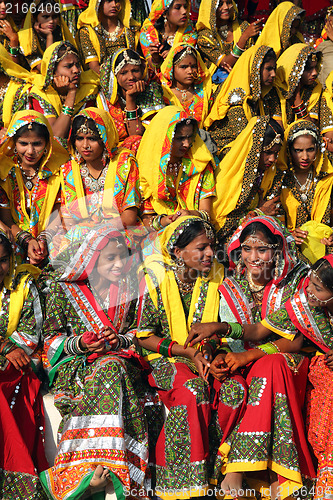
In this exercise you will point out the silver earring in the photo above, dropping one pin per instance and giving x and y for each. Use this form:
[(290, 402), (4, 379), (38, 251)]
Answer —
[(77, 156), (239, 266), (277, 266), (15, 151), (180, 265)]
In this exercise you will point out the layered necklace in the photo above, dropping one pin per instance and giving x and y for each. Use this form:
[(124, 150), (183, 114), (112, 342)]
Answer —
[(184, 288), (223, 31), (256, 290), (114, 35), (90, 182), (28, 178), (304, 188), (183, 93)]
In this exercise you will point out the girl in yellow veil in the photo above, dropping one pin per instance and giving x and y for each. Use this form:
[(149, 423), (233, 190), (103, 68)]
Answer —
[(307, 189), (221, 37), (245, 93), (104, 29), (181, 288), (42, 27), (296, 83)]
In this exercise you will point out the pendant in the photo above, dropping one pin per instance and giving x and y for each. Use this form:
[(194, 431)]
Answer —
[(29, 185), (303, 197), (302, 188)]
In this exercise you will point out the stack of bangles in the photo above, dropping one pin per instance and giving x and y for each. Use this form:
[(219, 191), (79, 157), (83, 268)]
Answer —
[(211, 342), (22, 239), (235, 331), (204, 215), (300, 110), (164, 347), (132, 114), (14, 51), (155, 222), (68, 111), (237, 51), (72, 346), (269, 348), (6, 347)]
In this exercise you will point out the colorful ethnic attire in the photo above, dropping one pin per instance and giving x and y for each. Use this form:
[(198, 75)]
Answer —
[(30, 208), (199, 105), (162, 194), (149, 101), (95, 43), (315, 323), (289, 71), (326, 108), (86, 202), (33, 45), (22, 454), (240, 98), (45, 99), (150, 35), (211, 42), (276, 382), (103, 422), (313, 206), (239, 181), (183, 459), (276, 32)]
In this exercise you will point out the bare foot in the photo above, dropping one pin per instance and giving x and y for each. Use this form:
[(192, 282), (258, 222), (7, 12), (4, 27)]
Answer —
[(232, 483), (100, 478), (274, 485)]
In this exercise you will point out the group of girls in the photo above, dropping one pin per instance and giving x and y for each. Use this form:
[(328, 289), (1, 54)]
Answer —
[(164, 189)]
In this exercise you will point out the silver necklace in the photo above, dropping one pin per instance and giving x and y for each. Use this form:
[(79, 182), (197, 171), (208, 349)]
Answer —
[(173, 168), (94, 184), (223, 31), (28, 178), (304, 188), (184, 287), (114, 35), (183, 93)]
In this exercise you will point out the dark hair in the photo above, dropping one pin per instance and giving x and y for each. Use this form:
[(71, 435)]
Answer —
[(273, 128), (179, 54), (159, 23), (131, 53), (189, 234), (4, 241), (38, 128), (183, 123), (78, 121), (64, 47), (256, 226), (270, 54), (324, 270), (309, 60), (44, 5)]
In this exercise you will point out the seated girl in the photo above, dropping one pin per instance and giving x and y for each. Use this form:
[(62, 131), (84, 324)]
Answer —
[(22, 455), (90, 306)]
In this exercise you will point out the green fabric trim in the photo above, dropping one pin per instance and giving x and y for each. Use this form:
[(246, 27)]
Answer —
[(53, 371), (58, 353), (84, 485), (118, 486)]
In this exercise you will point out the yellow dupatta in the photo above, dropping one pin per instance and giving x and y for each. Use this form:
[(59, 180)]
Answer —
[(207, 20), (237, 173), (203, 83), (109, 135), (160, 267), (153, 156), (289, 70), (323, 187), (89, 81), (89, 19), (328, 96), (276, 32), (49, 168), (27, 33), (242, 85), (20, 78)]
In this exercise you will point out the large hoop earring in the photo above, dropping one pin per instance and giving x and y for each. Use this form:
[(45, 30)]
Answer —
[(180, 265)]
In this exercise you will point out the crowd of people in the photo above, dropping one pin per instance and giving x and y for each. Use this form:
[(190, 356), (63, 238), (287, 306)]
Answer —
[(166, 248)]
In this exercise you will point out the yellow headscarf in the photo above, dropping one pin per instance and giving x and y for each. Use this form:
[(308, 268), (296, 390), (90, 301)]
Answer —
[(20, 78), (289, 70), (153, 156), (238, 171), (160, 267), (109, 136), (276, 32), (203, 82), (55, 156), (323, 171), (89, 19), (27, 33), (243, 84), (328, 96), (88, 87)]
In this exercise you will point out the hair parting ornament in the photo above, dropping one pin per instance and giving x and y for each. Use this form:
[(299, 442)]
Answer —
[(127, 60), (188, 51), (253, 240), (304, 131), (84, 129), (210, 235), (277, 140), (311, 295), (68, 51)]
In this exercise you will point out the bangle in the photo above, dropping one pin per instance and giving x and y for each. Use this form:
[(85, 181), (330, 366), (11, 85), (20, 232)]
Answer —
[(298, 105), (211, 342), (6, 347), (164, 347), (236, 51), (22, 239), (155, 223), (159, 345), (236, 331), (67, 110), (72, 346), (132, 114), (14, 51), (170, 348), (239, 48), (269, 348), (204, 215)]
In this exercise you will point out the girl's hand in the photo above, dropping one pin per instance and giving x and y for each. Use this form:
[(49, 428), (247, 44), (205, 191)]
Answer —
[(97, 347), (110, 336), (37, 251), (63, 83), (18, 358), (219, 368), (180, 213), (299, 235), (201, 364), (329, 359), (7, 30), (327, 241), (136, 89), (8, 232), (235, 360)]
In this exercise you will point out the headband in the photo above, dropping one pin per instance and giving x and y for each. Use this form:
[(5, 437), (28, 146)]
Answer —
[(303, 132), (127, 60), (188, 51)]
